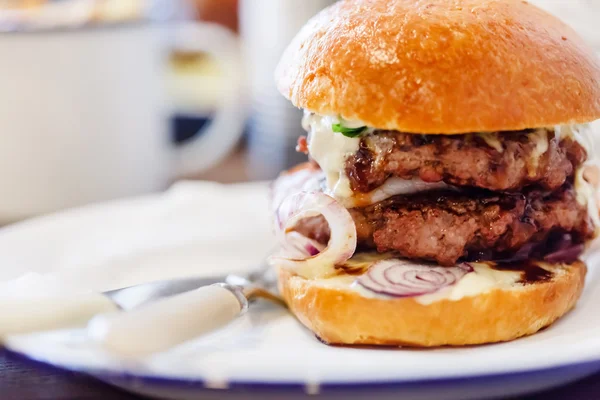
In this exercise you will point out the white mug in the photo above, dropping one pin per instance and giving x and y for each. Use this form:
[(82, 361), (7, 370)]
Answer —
[(274, 125), (84, 113)]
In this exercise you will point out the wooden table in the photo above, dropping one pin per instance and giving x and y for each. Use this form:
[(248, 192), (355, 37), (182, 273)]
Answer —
[(23, 380)]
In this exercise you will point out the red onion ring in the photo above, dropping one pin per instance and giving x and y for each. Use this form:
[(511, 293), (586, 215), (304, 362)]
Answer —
[(565, 255), (342, 242), (298, 244), (402, 278), (306, 179)]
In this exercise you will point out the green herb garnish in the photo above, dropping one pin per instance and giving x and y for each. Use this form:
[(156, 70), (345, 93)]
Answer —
[(348, 132)]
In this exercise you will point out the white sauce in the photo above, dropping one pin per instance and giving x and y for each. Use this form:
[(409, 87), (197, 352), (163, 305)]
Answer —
[(582, 134), (586, 192), (330, 150)]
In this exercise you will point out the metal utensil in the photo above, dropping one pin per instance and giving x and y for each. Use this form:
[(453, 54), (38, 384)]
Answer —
[(164, 314), (121, 320)]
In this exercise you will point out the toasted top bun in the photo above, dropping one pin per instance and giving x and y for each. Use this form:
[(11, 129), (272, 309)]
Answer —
[(339, 315), (441, 66)]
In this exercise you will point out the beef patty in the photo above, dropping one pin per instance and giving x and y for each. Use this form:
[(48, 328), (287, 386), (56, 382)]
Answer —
[(506, 161), (448, 226)]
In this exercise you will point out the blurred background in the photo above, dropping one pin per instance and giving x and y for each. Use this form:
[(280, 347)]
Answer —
[(104, 99)]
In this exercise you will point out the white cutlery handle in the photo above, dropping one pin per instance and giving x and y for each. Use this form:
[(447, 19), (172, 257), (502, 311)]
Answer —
[(163, 324), (27, 315)]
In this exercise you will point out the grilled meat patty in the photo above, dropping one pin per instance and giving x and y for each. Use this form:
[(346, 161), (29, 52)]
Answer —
[(506, 161), (476, 224)]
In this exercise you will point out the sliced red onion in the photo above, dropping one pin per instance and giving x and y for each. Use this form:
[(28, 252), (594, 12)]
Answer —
[(565, 255), (306, 179), (342, 242), (523, 253), (403, 278), (298, 244)]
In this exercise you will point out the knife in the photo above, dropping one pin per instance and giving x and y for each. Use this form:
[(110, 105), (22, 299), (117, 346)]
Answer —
[(179, 314), (120, 320)]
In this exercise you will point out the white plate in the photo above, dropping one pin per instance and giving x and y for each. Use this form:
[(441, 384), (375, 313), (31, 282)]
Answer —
[(207, 229)]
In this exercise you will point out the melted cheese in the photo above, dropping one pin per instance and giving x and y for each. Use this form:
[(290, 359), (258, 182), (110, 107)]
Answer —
[(540, 138), (491, 139), (481, 280)]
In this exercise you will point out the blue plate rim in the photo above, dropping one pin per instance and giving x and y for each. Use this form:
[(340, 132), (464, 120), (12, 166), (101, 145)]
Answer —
[(111, 376)]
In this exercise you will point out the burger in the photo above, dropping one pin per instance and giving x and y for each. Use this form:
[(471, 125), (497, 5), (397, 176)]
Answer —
[(450, 185)]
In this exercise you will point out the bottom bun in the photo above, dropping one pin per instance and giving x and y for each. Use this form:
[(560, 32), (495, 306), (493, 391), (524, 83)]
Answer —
[(342, 315)]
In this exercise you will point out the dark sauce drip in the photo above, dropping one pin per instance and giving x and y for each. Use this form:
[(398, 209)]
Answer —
[(532, 272), (344, 269), (557, 247)]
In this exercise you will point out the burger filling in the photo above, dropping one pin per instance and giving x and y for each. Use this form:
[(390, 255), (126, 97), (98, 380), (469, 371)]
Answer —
[(447, 198), (495, 161), (448, 226), (360, 161)]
